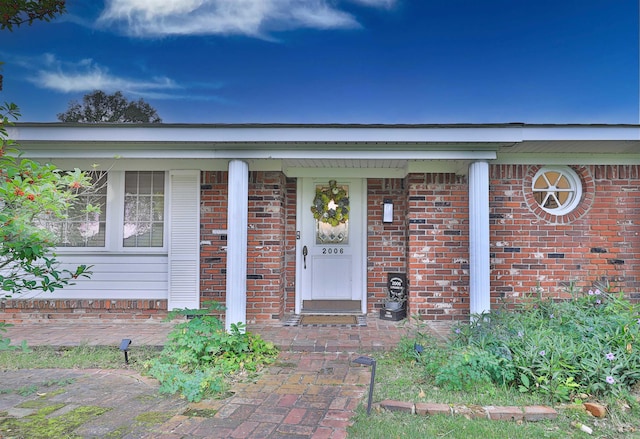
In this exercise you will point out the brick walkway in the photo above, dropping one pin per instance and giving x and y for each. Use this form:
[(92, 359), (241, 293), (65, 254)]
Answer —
[(376, 336), (310, 392)]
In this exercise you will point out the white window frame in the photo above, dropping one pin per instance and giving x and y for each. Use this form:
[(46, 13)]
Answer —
[(114, 233), (574, 181)]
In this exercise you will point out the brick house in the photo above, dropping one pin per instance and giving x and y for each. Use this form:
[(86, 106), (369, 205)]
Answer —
[(479, 216)]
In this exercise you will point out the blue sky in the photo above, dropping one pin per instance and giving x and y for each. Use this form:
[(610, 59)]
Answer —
[(335, 61)]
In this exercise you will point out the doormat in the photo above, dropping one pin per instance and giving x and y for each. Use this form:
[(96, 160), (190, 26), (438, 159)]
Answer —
[(326, 320)]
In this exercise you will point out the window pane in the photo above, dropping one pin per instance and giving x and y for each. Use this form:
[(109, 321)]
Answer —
[(325, 232), (158, 183), (557, 190), (144, 182), (144, 209), (156, 234), (130, 183), (82, 228)]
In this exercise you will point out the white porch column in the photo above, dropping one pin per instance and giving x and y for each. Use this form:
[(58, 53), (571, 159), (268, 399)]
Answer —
[(237, 226), (479, 254)]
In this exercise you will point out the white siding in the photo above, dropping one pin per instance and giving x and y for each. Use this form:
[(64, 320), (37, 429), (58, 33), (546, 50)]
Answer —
[(115, 276), (184, 240)]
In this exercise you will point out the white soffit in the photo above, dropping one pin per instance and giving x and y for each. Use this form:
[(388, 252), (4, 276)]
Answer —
[(162, 133)]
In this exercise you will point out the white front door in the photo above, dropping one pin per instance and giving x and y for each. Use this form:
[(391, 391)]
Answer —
[(331, 264)]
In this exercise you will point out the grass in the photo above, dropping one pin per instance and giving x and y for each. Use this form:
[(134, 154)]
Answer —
[(79, 357), (402, 380), (553, 353), (389, 425)]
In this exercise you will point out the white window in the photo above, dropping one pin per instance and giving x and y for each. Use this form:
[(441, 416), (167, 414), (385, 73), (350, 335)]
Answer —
[(132, 218), (557, 190), (82, 228), (143, 209)]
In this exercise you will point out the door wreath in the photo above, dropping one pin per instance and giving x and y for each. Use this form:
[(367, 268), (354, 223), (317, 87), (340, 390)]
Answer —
[(331, 204)]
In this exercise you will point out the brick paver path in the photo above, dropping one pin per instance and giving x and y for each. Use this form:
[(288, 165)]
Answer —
[(312, 390), (304, 395)]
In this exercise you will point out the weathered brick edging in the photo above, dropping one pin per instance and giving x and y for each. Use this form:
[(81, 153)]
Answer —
[(504, 413)]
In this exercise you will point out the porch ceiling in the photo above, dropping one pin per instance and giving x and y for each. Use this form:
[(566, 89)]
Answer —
[(346, 164), (573, 146)]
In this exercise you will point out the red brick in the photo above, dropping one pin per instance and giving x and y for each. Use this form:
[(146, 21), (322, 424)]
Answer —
[(503, 413), (398, 406), (597, 410), (430, 408), (539, 413)]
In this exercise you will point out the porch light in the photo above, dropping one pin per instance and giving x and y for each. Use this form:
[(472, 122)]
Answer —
[(124, 347), (387, 211), (368, 361)]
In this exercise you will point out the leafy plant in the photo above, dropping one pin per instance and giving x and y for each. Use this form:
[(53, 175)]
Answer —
[(200, 356), (28, 191), (588, 344)]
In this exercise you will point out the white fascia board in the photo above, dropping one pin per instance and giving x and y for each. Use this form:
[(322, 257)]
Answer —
[(302, 134), (587, 132), (248, 134)]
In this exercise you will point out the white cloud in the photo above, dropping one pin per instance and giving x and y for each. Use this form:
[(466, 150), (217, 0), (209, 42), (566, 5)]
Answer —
[(154, 18), (86, 75), (376, 3)]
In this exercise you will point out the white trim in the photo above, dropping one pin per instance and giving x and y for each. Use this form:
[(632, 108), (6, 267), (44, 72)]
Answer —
[(114, 229), (574, 181), (580, 132), (237, 235), (364, 242), (164, 133), (299, 244), (479, 239), (220, 133), (361, 225)]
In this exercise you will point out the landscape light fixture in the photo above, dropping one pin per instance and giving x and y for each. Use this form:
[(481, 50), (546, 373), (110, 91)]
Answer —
[(368, 361), (124, 347), (387, 211)]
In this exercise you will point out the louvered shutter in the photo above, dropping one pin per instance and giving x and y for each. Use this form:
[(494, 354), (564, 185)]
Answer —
[(184, 240)]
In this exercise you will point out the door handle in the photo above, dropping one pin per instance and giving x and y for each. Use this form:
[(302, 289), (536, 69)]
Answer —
[(305, 252)]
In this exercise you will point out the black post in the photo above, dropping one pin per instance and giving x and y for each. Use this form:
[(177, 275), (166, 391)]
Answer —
[(124, 347), (373, 379), (368, 361)]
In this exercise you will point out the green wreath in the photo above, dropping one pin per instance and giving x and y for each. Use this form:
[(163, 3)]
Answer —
[(331, 205)]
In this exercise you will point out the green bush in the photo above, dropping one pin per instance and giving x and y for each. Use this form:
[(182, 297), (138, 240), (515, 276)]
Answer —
[(589, 344), (200, 356)]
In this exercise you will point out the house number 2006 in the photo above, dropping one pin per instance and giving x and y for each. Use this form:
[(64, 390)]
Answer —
[(332, 251)]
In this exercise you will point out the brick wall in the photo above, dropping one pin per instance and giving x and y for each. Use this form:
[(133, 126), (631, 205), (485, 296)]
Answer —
[(39, 310), (213, 236), (438, 247), (386, 243), (266, 244), (598, 242), (428, 240)]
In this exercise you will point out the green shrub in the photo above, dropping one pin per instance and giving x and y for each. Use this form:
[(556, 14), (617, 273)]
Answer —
[(200, 355), (589, 344)]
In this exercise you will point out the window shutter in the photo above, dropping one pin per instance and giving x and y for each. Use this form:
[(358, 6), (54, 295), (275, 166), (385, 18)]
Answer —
[(184, 240)]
